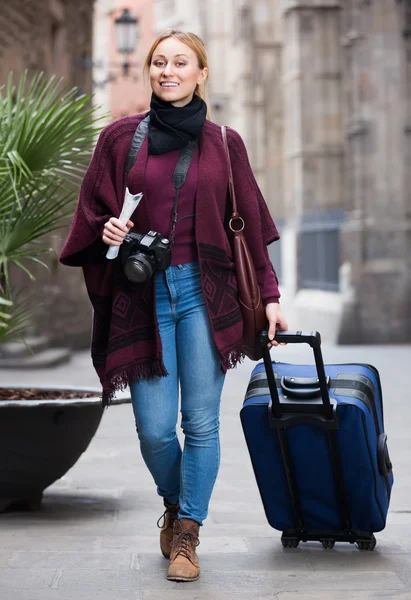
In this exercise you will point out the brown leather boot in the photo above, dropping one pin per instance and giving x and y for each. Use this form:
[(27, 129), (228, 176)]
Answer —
[(166, 533), (184, 565)]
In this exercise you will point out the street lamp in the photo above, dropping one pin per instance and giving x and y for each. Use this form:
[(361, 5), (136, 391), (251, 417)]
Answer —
[(127, 34), (126, 27)]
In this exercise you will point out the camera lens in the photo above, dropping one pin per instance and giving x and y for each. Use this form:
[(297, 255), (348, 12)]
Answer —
[(139, 268)]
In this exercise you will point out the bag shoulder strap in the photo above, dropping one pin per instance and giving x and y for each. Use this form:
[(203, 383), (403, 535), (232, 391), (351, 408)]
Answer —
[(230, 170)]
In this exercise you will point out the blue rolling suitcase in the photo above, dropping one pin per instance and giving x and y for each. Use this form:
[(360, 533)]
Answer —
[(316, 440)]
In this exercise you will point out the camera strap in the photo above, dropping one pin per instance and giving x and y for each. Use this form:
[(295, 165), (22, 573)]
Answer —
[(180, 172)]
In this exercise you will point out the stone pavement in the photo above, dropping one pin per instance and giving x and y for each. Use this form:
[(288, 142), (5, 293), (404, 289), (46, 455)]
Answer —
[(96, 536)]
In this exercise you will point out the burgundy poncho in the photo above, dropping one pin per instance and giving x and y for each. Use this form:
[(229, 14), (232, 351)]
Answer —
[(126, 345)]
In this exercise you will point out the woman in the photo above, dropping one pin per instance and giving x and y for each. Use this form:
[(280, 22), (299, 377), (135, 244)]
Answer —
[(183, 325)]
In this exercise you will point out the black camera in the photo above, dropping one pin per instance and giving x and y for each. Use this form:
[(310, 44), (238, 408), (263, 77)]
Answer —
[(142, 254)]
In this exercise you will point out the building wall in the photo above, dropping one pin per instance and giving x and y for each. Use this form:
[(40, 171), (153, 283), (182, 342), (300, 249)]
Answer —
[(121, 95), (320, 93), (179, 14), (377, 232), (51, 36), (64, 311), (130, 95)]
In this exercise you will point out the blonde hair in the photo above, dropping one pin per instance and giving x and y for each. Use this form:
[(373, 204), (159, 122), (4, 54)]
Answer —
[(192, 41)]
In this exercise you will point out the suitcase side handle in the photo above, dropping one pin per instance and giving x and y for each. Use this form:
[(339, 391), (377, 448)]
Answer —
[(297, 337)]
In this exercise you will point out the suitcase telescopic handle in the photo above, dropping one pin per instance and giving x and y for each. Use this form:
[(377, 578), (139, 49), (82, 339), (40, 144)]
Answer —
[(312, 338)]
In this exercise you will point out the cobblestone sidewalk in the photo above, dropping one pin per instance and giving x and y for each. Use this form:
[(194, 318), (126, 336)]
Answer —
[(96, 537)]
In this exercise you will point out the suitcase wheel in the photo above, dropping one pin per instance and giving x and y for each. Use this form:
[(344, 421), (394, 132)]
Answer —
[(290, 542), (328, 544), (367, 544)]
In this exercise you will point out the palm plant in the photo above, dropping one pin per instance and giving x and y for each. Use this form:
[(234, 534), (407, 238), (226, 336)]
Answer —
[(46, 137)]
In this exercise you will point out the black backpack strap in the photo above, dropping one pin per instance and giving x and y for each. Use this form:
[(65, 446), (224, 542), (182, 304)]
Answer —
[(137, 142)]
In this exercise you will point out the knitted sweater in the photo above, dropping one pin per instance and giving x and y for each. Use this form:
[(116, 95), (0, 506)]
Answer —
[(160, 200)]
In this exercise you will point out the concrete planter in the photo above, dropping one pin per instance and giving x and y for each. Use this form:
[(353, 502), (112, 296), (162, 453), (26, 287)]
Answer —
[(40, 440)]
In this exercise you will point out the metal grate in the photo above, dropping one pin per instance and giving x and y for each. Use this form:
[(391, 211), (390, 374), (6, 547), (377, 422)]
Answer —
[(319, 250)]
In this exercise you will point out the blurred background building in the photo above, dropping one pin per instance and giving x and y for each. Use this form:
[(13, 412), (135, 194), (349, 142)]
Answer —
[(50, 36), (78, 40), (119, 86), (320, 92)]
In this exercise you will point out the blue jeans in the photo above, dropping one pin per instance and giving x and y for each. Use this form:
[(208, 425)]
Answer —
[(191, 359)]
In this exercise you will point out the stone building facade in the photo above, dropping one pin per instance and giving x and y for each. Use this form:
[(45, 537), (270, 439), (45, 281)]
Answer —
[(320, 91), (120, 95), (52, 36), (74, 39)]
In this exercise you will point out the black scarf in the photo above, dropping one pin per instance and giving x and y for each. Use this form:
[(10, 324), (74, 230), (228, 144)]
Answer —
[(172, 127)]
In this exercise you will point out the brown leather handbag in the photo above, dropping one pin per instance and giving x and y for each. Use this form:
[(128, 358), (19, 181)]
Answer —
[(252, 309)]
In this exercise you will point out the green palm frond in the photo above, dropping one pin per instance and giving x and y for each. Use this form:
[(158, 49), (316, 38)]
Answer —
[(14, 319), (47, 133), (4, 316)]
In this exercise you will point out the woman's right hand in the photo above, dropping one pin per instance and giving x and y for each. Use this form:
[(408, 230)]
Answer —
[(114, 231)]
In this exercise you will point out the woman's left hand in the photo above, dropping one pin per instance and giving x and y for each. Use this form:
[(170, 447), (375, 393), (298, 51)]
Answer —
[(276, 322)]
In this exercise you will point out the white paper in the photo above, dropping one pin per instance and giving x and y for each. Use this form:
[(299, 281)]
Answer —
[(131, 202)]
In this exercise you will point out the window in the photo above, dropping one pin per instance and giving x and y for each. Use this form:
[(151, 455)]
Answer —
[(319, 250)]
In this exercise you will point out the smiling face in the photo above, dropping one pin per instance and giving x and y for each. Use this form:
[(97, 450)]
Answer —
[(175, 72)]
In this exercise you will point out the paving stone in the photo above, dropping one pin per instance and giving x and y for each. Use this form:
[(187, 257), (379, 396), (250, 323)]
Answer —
[(92, 528), (96, 536), (150, 544), (112, 579), (139, 518), (51, 542), (21, 579), (270, 543), (357, 561), (364, 595), (216, 581), (71, 559), (395, 539), (233, 562), (186, 591), (134, 543), (252, 582), (57, 594), (399, 517), (273, 582), (5, 558), (65, 517), (243, 529), (253, 518), (217, 545)]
